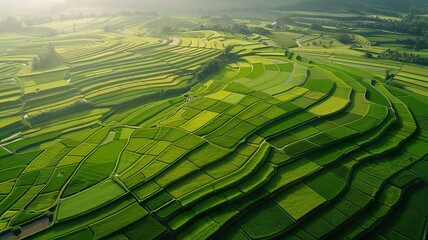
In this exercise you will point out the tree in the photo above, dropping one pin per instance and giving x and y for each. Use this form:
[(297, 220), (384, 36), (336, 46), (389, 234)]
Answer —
[(114, 28), (17, 231), (166, 29), (344, 38), (207, 68), (399, 56), (316, 26), (284, 19), (368, 54), (412, 13), (389, 77), (50, 215), (260, 31), (415, 26), (36, 64), (44, 59), (228, 49), (241, 28), (161, 92), (224, 16), (51, 49), (67, 75), (10, 23)]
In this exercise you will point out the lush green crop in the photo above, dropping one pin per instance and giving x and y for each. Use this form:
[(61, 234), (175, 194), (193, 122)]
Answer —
[(115, 222), (88, 200), (122, 138)]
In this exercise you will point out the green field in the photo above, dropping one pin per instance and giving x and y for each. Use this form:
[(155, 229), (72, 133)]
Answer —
[(147, 126)]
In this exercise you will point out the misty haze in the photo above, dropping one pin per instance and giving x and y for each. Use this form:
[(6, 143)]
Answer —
[(201, 119)]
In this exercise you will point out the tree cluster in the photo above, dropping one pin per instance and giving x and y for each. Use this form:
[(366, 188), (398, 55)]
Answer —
[(52, 33), (260, 31), (79, 105), (417, 43), (384, 12), (320, 43), (399, 56), (17, 230), (235, 28), (407, 25), (330, 23), (114, 28), (345, 38), (207, 68), (285, 19), (44, 59), (316, 26), (167, 29), (10, 23), (410, 24), (280, 23), (368, 54), (389, 77), (29, 21)]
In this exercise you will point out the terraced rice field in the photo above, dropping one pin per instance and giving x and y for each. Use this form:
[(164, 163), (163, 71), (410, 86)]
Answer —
[(272, 146)]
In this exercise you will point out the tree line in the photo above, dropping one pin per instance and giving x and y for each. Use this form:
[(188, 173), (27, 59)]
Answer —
[(235, 28), (214, 65), (396, 55), (114, 28), (406, 25), (10, 23)]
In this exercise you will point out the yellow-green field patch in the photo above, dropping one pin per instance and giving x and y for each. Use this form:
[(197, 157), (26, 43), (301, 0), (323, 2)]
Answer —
[(299, 201), (234, 98), (219, 95), (199, 121), (330, 106)]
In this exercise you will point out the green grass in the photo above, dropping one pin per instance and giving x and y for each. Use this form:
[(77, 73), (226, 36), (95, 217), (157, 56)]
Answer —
[(83, 149), (147, 227), (266, 221), (330, 106), (43, 201), (153, 168), (285, 40), (176, 172), (12, 198), (127, 159), (199, 121), (299, 201), (23, 217), (415, 229), (190, 184), (326, 185), (88, 200), (83, 221), (206, 154), (291, 172), (299, 147), (97, 167), (307, 143), (11, 173), (83, 233), (116, 222), (59, 178)]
